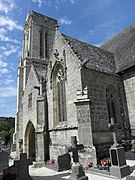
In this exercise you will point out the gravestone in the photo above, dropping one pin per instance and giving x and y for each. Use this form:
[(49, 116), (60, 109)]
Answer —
[(64, 162), (23, 167), (4, 161), (77, 170), (19, 168), (118, 168)]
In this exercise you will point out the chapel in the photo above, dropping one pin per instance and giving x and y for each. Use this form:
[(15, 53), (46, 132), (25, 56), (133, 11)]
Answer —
[(67, 87)]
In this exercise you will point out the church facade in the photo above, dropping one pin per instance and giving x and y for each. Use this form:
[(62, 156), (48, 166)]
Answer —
[(70, 88)]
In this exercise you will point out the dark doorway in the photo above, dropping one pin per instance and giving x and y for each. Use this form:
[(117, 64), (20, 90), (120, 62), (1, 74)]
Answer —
[(32, 153)]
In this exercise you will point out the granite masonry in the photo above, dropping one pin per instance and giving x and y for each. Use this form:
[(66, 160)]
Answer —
[(70, 88)]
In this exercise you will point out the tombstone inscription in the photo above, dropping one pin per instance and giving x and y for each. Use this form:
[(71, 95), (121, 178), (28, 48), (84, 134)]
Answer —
[(118, 168), (77, 170)]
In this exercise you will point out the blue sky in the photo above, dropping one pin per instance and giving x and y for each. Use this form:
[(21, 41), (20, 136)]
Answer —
[(92, 21)]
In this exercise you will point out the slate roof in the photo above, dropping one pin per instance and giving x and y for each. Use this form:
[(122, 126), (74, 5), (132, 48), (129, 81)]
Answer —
[(91, 56), (123, 46)]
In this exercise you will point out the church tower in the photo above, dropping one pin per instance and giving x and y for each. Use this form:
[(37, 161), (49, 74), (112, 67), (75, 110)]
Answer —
[(39, 33), (38, 39)]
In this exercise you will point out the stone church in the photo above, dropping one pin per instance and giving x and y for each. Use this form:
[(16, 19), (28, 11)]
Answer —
[(67, 87)]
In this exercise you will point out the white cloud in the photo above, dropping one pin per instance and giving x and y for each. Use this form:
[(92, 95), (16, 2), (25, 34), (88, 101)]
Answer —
[(39, 2), (8, 91), (57, 7), (8, 81), (65, 20), (72, 1), (9, 23), (3, 64), (56, 3), (7, 39), (3, 71), (11, 51), (2, 31), (8, 50), (7, 6)]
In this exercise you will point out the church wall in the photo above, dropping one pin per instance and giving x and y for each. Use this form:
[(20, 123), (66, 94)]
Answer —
[(30, 114), (128, 77), (97, 83), (60, 133)]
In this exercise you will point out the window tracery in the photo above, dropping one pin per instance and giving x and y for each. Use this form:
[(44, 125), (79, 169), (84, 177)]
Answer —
[(59, 95), (111, 103)]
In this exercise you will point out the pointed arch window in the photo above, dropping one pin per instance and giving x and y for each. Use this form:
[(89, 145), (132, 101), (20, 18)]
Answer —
[(46, 44), (112, 103), (59, 96)]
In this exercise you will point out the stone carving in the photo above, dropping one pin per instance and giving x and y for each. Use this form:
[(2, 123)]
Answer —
[(56, 54)]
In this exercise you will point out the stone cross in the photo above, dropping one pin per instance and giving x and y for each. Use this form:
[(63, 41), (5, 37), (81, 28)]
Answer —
[(113, 128), (23, 167), (56, 54), (74, 148)]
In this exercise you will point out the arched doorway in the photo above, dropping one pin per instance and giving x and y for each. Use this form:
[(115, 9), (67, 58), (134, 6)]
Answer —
[(30, 141)]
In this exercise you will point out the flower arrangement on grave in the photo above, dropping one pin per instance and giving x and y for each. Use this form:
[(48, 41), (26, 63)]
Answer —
[(104, 164), (51, 161), (88, 165)]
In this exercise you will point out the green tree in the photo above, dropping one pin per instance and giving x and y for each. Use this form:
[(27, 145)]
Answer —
[(7, 125)]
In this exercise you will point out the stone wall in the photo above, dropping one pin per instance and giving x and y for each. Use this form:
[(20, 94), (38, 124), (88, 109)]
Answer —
[(72, 83), (30, 114), (129, 83), (97, 83)]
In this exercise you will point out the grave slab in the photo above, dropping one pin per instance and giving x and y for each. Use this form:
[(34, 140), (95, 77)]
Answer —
[(64, 162)]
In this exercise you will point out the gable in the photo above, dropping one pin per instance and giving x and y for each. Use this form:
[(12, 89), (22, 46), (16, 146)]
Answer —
[(91, 56)]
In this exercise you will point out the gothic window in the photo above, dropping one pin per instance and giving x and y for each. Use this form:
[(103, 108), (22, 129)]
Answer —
[(30, 100), (28, 41), (59, 96), (111, 103), (26, 36), (41, 44), (46, 44)]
